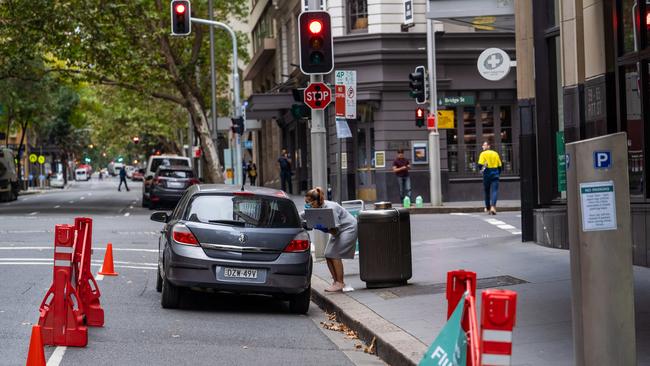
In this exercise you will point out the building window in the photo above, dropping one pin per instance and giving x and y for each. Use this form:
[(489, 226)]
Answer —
[(357, 15), (263, 29)]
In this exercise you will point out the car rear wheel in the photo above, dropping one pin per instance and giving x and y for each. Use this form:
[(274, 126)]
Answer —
[(171, 295), (299, 304), (159, 281)]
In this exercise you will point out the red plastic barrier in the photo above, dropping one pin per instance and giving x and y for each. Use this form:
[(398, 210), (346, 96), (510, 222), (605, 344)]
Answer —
[(61, 321), (85, 281), (459, 282), (498, 309)]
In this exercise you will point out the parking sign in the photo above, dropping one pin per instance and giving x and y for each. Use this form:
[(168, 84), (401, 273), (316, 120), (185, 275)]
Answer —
[(602, 159)]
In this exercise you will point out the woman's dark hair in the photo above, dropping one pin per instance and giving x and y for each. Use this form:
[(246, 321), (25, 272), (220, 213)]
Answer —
[(316, 194)]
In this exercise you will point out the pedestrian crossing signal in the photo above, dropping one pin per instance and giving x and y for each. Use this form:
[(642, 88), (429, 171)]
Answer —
[(181, 14), (419, 117)]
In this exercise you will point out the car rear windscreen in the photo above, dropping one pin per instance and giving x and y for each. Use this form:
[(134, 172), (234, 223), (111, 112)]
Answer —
[(155, 163), (176, 174), (246, 211)]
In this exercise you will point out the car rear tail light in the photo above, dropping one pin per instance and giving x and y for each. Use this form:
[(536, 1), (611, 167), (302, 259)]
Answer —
[(299, 244), (182, 235), (194, 181), (159, 182)]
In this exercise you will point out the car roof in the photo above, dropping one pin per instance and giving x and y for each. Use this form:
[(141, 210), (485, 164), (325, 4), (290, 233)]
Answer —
[(229, 188)]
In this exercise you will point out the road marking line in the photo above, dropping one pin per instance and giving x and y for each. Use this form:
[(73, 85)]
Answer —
[(57, 356), (459, 214), (506, 227), (131, 207), (50, 248), (57, 206), (71, 201), (127, 214), (83, 198), (49, 264), (33, 213), (99, 277)]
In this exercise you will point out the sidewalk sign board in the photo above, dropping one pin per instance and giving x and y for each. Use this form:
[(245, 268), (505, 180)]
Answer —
[(445, 118), (598, 204)]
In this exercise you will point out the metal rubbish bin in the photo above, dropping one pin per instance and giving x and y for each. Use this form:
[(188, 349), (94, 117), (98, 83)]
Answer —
[(384, 246)]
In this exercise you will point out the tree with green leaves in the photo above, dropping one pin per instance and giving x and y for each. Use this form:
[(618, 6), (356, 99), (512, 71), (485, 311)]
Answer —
[(127, 44)]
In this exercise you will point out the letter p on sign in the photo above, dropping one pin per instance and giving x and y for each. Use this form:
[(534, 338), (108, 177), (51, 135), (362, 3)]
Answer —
[(602, 159)]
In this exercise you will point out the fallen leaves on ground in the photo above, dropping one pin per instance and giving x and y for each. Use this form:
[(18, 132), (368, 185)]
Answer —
[(371, 349)]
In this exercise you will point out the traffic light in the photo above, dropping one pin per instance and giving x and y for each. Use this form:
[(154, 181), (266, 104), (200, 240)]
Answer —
[(181, 25), (238, 125), (418, 85), (419, 117), (316, 45)]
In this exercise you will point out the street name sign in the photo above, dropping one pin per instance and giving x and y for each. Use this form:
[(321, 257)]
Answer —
[(317, 96)]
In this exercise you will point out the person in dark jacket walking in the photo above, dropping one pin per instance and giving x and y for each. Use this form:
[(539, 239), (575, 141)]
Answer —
[(123, 179), (490, 164), (285, 171)]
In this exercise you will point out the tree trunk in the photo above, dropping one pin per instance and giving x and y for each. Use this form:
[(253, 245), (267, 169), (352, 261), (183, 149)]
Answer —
[(212, 172)]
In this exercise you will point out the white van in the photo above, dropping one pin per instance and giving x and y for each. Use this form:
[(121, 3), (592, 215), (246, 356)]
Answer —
[(155, 161), (81, 174)]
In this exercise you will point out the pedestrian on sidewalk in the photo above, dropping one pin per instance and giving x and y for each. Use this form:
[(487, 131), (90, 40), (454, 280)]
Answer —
[(244, 169), (285, 171), (123, 179), (401, 167), (490, 164), (252, 172), (342, 242)]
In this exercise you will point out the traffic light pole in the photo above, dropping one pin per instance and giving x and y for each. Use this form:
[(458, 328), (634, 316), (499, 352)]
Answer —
[(318, 153), (236, 97), (213, 79), (434, 136)]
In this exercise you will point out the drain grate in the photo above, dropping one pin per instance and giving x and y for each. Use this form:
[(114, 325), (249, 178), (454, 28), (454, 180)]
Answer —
[(439, 288)]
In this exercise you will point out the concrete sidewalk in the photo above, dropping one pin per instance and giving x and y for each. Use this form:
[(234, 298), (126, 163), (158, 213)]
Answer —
[(405, 320)]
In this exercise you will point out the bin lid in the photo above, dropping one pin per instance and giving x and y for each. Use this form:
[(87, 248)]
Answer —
[(383, 205)]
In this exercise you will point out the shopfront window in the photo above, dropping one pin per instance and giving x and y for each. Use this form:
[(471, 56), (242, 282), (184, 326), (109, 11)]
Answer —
[(634, 129), (488, 119)]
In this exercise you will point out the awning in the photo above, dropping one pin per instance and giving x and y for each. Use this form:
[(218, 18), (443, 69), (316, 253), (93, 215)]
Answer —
[(267, 106)]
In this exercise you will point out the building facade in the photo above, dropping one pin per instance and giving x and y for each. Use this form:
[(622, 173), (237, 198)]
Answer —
[(583, 72), (370, 38)]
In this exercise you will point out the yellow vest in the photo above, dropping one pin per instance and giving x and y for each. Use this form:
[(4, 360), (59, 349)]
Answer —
[(489, 159)]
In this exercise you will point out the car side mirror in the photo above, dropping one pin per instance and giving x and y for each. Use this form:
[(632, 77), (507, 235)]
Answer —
[(159, 217)]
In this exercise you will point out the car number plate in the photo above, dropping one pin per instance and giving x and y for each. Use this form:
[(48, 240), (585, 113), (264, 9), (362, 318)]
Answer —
[(176, 185), (239, 273)]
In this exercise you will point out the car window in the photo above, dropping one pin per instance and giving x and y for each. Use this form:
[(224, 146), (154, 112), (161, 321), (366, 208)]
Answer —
[(247, 211), (168, 162), (175, 173)]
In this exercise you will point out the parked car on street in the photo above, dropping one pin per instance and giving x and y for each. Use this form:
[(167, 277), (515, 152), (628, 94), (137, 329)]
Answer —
[(168, 185), (138, 175), (225, 239), (9, 186), (155, 161), (129, 171)]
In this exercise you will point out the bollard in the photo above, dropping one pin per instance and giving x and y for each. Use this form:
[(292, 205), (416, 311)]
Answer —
[(61, 322), (498, 310), (85, 283)]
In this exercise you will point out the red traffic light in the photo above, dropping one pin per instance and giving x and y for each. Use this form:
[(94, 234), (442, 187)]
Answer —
[(180, 9), (315, 26)]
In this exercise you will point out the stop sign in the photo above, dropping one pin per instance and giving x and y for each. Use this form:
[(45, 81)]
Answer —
[(318, 96)]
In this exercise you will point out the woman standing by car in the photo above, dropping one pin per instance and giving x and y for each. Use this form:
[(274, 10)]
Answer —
[(342, 242)]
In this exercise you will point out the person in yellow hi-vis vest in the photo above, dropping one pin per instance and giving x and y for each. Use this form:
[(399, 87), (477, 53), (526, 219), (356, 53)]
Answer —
[(490, 164)]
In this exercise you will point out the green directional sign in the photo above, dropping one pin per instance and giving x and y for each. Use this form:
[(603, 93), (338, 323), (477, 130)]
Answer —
[(33, 158), (450, 346)]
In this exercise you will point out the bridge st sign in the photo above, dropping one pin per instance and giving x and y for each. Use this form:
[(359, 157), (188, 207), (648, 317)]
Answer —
[(317, 96)]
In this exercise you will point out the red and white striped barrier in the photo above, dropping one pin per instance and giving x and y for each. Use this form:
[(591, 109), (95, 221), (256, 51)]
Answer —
[(498, 309)]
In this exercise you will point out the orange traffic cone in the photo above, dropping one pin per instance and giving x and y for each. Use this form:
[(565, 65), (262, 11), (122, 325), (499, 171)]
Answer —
[(36, 354), (107, 267)]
